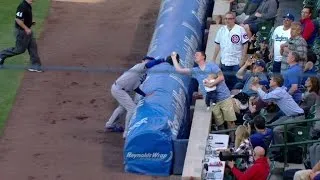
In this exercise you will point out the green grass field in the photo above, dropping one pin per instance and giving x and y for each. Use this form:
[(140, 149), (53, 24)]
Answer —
[(10, 79)]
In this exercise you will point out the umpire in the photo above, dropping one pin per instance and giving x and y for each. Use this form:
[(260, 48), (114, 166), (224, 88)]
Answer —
[(123, 87), (24, 37)]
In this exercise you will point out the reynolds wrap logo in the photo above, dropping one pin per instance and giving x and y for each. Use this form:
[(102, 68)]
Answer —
[(150, 156)]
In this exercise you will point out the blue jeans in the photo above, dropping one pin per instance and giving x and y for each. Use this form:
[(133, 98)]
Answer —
[(230, 75), (276, 68)]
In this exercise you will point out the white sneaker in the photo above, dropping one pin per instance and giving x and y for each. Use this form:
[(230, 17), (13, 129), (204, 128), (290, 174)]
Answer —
[(213, 104)]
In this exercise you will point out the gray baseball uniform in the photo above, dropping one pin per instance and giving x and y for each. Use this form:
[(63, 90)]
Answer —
[(121, 90)]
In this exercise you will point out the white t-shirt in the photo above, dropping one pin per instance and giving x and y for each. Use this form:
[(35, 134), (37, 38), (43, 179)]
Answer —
[(279, 37), (231, 44)]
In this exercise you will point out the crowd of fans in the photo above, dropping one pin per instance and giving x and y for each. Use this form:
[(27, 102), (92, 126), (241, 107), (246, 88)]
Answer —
[(275, 76)]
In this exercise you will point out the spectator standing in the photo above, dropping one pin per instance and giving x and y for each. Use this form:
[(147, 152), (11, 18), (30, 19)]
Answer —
[(295, 43), (223, 110), (279, 36), (309, 29), (232, 40)]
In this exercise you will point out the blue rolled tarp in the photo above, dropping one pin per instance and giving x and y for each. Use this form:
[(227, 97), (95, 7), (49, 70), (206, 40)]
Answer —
[(163, 117)]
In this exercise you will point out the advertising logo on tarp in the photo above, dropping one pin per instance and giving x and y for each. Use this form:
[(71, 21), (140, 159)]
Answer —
[(154, 156)]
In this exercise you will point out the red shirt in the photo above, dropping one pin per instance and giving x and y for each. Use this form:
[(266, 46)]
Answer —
[(258, 171), (308, 28)]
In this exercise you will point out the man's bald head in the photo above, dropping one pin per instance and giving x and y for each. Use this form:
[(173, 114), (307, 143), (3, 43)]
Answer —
[(259, 152)]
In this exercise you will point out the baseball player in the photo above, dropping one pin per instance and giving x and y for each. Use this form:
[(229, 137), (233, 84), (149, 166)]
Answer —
[(24, 37), (126, 84)]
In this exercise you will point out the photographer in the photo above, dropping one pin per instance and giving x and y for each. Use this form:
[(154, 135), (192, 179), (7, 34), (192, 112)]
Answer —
[(242, 147), (258, 171)]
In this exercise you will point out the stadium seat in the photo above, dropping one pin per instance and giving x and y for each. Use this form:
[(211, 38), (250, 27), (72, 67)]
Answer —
[(265, 29)]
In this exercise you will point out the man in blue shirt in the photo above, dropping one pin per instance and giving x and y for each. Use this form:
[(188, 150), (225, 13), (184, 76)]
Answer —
[(248, 77), (223, 110), (287, 105), (293, 76), (262, 135)]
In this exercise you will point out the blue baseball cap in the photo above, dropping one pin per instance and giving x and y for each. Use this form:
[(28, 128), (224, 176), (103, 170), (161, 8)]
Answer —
[(260, 63), (264, 83), (289, 16)]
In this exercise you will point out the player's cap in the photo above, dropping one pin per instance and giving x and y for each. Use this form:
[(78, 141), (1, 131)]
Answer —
[(264, 83)]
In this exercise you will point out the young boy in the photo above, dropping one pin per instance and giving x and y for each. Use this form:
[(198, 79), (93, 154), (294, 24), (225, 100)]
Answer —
[(211, 96)]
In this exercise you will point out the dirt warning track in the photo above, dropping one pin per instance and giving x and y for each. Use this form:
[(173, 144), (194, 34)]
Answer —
[(52, 130)]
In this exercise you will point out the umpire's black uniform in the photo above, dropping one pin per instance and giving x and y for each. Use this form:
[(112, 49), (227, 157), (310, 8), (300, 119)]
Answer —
[(23, 40)]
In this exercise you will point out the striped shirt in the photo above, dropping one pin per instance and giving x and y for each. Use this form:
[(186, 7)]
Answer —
[(283, 99), (297, 44)]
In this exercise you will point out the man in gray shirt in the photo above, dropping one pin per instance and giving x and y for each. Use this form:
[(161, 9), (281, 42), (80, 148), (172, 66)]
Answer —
[(266, 11), (123, 87), (285, 102)]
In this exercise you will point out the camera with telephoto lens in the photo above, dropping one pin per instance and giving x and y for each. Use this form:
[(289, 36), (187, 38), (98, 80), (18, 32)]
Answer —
[(231, 156)]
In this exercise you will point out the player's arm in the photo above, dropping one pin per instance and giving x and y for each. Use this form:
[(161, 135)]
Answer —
[(178, 67), (154, 62), (139, 91)]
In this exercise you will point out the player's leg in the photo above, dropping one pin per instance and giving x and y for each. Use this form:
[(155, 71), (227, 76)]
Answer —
[(34, 56), (22, 41), (110, 124)]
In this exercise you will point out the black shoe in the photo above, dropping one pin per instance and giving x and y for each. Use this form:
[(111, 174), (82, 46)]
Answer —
[(1, 63), (35, 68)]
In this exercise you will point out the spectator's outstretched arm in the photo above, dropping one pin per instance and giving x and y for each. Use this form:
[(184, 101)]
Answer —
[(240, 74), (273, 95), (178, 67)]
